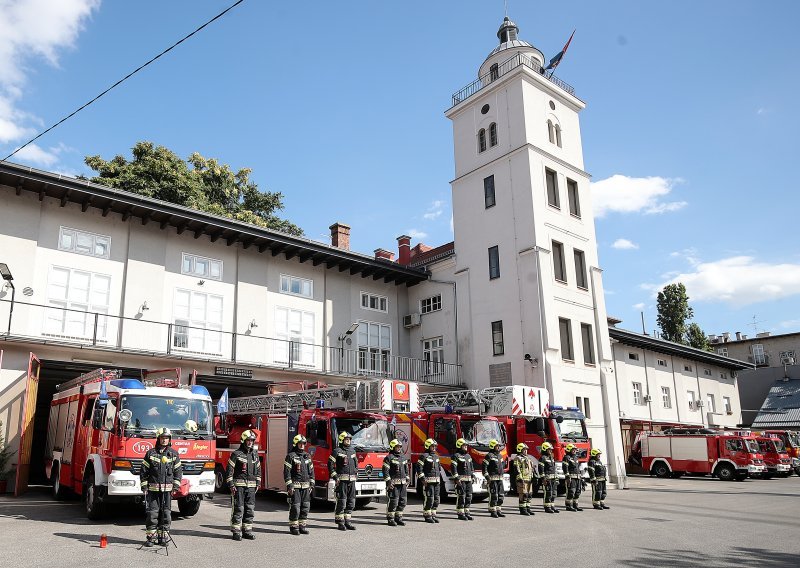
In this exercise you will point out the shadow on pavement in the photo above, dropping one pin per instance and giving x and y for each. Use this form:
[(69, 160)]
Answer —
[(737, 556)]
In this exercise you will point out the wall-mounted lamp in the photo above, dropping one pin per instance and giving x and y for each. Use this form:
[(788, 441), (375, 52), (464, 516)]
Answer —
[(144, 307), (534, 361), (252, 324)]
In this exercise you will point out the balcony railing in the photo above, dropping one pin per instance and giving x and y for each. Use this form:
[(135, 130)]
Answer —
[(63, 326), (506, 67)]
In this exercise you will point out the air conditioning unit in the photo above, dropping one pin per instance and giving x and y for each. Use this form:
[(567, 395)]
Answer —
[(648, 398), (411, 320), (699, 404), (787, 360)]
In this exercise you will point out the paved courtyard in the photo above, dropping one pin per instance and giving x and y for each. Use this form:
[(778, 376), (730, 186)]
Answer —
[(670, 522)]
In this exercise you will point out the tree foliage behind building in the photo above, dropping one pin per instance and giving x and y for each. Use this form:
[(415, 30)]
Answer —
[(199, 183), (674, 313)]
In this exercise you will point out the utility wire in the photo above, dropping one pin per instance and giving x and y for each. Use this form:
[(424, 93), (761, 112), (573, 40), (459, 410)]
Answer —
[(126, 77)]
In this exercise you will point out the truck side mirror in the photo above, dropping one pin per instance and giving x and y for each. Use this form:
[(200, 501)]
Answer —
[(538, 426), (559, 419), (125, 416)]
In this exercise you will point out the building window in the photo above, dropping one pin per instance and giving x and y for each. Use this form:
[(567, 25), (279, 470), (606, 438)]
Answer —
[(432, 304), (633, 356), (661, 362), (198, 322), (493, 134), (551, 132), (558, 135), (726, 400), (559, 265), (637, 394), (583, 405), (482, 140), (690, 398), (374, 302), (565, 329), (83, 242), (494, 263), (494, 72), (758, 354), (374, 347), (433, 355), (711, 405), (552, 188), (588, 344), (580, 269), (193, 265), (573, 198), (488, 192), (707, 372), (687, 368), (295, 331), (295, 286), (722, 351), (75, 296), (666, 399), (498, 347), (723, 375)]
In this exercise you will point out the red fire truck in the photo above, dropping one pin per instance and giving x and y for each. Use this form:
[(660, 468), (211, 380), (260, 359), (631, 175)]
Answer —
[(726, 455), (776, 460), (791, 441), (102, 423), (320, 415)]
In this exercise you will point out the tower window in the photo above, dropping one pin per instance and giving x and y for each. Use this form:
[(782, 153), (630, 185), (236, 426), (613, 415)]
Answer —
[(574, 199), (551, 132), (552, 188), (558, 135), (494, 72), (482, 140), (494, 262), (488, 192), (493, 134)]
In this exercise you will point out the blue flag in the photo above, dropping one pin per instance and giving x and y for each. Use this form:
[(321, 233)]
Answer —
[(222, 403), (103, 398), (557, 59)]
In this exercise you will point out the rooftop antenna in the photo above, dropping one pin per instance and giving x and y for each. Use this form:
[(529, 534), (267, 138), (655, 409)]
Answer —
[(755, 325), (505, 4)]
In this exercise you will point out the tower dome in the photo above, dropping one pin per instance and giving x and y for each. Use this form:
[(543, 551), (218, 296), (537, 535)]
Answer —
[(510, 45)]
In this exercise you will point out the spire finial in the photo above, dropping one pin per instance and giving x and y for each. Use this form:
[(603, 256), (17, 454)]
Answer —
[(505, 3)]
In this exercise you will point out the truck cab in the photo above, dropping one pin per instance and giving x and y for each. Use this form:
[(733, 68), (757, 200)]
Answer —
[(791, 441), (776, 460)]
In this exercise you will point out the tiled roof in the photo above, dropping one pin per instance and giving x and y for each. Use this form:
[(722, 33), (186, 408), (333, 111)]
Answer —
[(781, 409), (434, 254)]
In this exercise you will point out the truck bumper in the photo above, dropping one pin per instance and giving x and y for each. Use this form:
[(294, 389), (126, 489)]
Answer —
[(122, 483), (203, 483), (364, 489), (783, 467), (756, 469)]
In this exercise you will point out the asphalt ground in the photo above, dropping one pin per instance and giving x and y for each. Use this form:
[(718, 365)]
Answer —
[(655, 522)]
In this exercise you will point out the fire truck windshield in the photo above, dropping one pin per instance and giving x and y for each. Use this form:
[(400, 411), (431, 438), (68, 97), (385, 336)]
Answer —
[(752, 447), (153, 412), (368, 433), (571, 429), (478, 433), (794, 439), (779, 446)]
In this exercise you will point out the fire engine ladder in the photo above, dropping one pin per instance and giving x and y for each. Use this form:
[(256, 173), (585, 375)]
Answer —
[(476, 399), (285, 402), (90, 377)]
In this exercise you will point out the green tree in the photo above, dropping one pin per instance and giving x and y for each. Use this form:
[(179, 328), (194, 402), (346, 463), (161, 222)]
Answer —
[(674, 311), (156, 171), (697, 338)]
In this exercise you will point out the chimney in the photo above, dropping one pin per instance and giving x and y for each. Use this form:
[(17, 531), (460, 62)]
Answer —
[(340, 236), (384, 254), (726, 336), (404, 249), (738, 336)]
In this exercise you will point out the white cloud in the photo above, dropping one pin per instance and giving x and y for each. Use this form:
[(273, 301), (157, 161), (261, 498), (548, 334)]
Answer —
[(761, 110), (623, 194), (35, 154), (790, 324), (624, 244), (434, 211), (415, 234), (32, 29), (738, 280), (638, 307)]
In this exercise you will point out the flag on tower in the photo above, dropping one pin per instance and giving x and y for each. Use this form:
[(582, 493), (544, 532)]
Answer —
[(557, 59)]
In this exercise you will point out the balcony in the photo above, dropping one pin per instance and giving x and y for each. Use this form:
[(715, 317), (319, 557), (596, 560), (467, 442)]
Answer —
[(759, 359), (506, 67), (53, 325)]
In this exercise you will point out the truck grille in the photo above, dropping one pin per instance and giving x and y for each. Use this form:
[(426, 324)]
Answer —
[(370, 474), (190, 467)]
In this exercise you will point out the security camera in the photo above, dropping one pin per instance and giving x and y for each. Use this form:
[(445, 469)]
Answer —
[(527, 356)]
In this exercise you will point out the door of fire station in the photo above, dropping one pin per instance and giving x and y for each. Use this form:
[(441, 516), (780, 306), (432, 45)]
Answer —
[(26, 428)]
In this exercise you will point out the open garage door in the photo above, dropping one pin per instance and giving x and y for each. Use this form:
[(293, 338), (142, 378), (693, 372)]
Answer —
[(26, 430)]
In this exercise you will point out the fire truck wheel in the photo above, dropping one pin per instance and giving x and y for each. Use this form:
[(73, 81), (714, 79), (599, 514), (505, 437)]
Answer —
[(188, 506), (767, 475), (219, 480), (59, 491), (726, 472), (362, 503), (92, 497), (660, 470)]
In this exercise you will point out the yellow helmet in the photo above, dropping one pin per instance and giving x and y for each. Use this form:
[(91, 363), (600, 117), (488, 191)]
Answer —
[(547, 446), (345, 435), (299, 439), (394, 444), (430, 442), (570, 447), (190, 426), (521, 446), (249, 435), (460, 443), (493, 444), (164, 432), (595, 452)]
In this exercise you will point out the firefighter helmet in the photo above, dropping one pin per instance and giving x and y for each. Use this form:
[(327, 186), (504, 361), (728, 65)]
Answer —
[(344, 435), (190, 426), (521, 446), (161, 432), (547, 446), (595, 452), (430, 442), (395, 444), (248, 435), (570, 447), (460, 443), (493, 444), (299, 439)]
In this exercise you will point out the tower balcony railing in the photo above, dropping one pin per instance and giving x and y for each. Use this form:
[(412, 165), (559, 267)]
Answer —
[(507, 66), (56, 325)]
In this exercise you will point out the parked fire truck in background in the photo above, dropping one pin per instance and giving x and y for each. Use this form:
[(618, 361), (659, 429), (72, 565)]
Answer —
[(726, 455), (791, 441), (320, 415), (101, 425), (776, 460)]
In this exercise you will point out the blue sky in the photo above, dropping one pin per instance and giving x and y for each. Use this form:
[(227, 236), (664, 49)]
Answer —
[(689, 133)]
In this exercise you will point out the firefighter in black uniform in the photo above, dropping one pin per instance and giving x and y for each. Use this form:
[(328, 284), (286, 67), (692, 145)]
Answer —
[(298, 473), (549, 475), (462, 472), (493, 472), (395, 472), (160, 475), (343, 469), (572, 477), (597, 476), (428, 475), (244, 479), (524, 472)]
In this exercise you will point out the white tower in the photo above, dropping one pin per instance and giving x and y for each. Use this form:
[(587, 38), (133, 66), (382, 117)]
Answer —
[(529, 286)]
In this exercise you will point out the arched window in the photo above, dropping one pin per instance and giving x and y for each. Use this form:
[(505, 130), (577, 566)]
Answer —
[(558, 136), (494, 72), (493, 134), (551, 132), (482, 140)]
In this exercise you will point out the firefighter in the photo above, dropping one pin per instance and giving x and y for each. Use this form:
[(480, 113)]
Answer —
[(343, 468), (298, 473), (524, 471), (428, 475), (160, 475), (493, 472), (547, 471), (597, 477), (244, 479), (462, 472), (395, 472), (572, 477)]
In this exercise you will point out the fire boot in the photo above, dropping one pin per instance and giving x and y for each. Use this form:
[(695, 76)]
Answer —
[(237, 536), (303, 529), (400, 522), (249, 536), (391, 522), (604, 506), (294, 530), (349, 526)]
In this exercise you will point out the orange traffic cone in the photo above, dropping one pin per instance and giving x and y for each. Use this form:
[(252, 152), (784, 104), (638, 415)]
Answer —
[(103, 540)]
